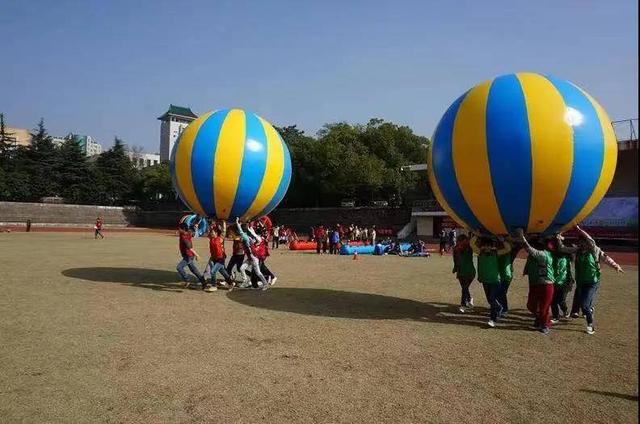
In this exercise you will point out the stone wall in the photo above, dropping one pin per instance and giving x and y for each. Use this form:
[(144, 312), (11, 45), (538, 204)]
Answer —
[(85, 215), (43, 214)]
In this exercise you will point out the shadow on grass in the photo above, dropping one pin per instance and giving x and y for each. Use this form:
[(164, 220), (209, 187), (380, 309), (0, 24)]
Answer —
[(154, 279), (612, 394), (353, 305)]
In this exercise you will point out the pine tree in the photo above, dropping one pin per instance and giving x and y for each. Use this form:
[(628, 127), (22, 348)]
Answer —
[(74, 176), (6, 138), (43, 163), (117, 176)]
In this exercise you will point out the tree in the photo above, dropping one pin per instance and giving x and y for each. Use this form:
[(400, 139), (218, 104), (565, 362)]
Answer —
[(156, 183), (42, 163), (75, 178), (353, 161), (6, 138), (116, 176)]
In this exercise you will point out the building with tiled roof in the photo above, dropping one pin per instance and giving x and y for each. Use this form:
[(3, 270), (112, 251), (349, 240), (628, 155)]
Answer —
[(172, 123)]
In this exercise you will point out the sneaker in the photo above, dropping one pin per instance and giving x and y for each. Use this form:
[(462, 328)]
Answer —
[(263, 286), (575, 315), (555, 320), (461, 309), (274, 280), (471, 302), (590, 329), (491, 323), (209, 288), (231, 285), (544, 330)]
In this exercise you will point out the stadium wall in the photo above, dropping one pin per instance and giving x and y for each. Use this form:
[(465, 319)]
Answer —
[(46, 214), (301, 219)]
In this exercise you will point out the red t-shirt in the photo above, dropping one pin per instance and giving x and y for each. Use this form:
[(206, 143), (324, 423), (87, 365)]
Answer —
[(261, 250), (185, 244), (216, 248), (320, 234), (99, 225)]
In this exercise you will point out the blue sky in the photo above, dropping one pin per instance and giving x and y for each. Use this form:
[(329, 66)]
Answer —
[(108, 68)]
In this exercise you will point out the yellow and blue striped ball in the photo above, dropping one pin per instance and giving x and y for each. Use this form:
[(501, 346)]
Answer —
[(524, 151), (230, 164)]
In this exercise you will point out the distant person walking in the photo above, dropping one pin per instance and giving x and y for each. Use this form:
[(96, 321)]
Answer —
[(98, 229), (443, 241), (275, 237)]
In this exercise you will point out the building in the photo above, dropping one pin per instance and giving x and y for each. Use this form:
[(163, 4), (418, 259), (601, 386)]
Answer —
[(142, 160), (88, 145), (21, 136), (172, 123)]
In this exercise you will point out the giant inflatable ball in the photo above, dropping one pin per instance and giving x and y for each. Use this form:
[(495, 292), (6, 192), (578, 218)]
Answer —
[(524, 151), (229, 164)]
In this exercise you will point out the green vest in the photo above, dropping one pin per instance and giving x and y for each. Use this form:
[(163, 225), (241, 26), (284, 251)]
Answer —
[(506, 268), (587, 268), (540, 273), (562, 269), (464, 263), (488, 269)]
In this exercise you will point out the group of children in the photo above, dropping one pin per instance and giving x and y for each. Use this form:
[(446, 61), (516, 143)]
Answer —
[(329, 239), (416, 249), (447, 240), (250, 252), (548, 269), (282, 235)]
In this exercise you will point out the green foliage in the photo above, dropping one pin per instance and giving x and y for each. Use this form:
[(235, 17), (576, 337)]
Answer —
[(73, 171), (155, 183), (116, 176), (360, 162), (6, 138)]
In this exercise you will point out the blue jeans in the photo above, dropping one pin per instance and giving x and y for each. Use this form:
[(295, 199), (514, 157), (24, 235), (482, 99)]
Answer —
[(587, 294), (502, 296), (465, 299), (213, 268), (188, 262), (492, 291)]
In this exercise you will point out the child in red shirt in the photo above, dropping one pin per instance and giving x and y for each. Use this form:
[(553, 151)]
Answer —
[(216, 261), (189, 255), (98, 228)]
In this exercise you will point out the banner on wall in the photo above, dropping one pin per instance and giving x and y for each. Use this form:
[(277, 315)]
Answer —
[(619, 212), (614, 218)]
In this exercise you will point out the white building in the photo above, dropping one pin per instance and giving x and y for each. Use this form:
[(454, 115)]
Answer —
[(142, 160), (86, 143), (173, 122)]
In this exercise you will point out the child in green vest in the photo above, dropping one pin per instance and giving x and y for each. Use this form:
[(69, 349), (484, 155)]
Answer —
[(464, 270), (588, 258), (488, 250), (562, 284), (505, 264), (539, 269)]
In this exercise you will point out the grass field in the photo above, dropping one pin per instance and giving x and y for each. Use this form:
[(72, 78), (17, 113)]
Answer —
[(100, 331)]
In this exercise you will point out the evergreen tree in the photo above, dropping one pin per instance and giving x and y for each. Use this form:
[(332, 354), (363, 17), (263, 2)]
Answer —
[(42, 164), (6, 138), (75, 178), (116, 175)]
